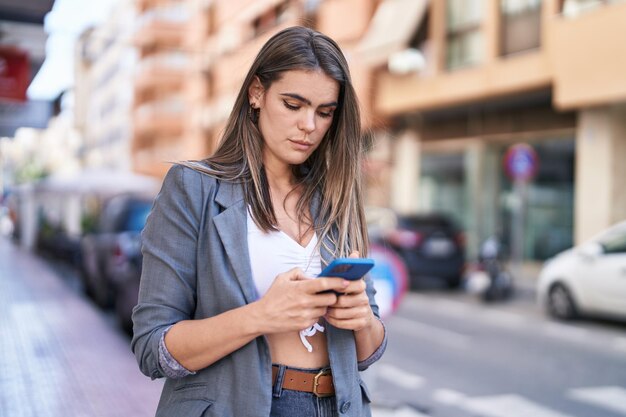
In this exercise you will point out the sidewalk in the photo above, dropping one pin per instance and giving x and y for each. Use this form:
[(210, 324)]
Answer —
[(525, 276), (59, 356)]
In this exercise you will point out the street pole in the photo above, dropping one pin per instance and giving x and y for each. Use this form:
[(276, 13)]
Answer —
[(520, 193), (521, 164)]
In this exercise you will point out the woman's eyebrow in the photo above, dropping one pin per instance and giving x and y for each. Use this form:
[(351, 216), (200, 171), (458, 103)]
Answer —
[(307, 101)]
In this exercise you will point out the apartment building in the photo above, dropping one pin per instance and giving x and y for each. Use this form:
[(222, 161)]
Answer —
[(104, 70), (465, 79), (446, 87), (193, 57), (161, 111)]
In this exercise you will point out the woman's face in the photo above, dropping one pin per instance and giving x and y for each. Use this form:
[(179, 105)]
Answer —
[(296, 111)]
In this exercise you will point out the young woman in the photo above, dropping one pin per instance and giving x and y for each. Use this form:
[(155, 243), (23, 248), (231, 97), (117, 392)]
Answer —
[(229, 307)]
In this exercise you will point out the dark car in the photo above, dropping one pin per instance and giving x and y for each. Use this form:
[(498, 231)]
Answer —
[(111, 254), (125, 276), (431, 245)]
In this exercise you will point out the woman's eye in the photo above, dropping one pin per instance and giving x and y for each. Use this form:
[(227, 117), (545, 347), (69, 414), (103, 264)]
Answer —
[(290, 106), (326, 114)]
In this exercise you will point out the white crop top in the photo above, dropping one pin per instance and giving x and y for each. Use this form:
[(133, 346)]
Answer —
[(274, 253)]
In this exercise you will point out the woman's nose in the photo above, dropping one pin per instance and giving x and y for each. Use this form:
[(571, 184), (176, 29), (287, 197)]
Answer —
[(307, 123)]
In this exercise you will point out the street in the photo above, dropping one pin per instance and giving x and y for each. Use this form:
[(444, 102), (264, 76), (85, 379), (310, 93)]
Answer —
[(462, 145), (449, 355)]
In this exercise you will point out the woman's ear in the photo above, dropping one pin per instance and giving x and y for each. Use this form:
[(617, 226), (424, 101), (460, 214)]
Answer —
[(255, 92)]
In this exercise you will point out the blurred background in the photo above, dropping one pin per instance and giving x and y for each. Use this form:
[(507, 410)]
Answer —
[(495, 190)]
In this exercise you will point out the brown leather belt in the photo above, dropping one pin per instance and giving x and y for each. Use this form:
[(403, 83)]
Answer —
[(320, 384)]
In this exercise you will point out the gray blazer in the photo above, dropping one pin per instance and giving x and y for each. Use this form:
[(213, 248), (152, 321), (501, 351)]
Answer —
[(196, 265)]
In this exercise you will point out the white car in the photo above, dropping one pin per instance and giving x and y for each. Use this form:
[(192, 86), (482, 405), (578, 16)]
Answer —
[(589, 279)]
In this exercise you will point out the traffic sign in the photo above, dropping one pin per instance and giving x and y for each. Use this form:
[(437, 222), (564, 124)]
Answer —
[(520, 162)]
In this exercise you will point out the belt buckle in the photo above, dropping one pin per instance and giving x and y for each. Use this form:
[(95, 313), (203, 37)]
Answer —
[(316, 383)]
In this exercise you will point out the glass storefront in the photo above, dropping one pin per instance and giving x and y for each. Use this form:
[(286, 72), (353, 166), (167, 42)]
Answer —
[(549, 208), (470, 185), (442, 185)]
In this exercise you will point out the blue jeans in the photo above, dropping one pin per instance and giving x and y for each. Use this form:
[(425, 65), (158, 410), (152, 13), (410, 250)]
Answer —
[(288, 403)]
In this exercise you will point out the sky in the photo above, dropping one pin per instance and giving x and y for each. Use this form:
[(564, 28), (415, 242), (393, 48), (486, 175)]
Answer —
[(63, 24)]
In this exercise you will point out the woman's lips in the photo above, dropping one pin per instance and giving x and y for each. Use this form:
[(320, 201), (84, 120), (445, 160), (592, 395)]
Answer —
[(301, 145)]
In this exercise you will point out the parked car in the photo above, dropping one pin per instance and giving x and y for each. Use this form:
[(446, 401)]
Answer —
[(125, 276), (53, 240), (431, 245), (111, 254), (589, 279)]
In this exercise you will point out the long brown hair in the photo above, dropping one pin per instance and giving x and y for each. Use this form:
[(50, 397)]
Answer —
[(333, 171)]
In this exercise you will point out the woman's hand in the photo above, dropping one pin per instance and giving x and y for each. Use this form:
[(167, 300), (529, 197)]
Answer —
[(295, 301), (352, 310)]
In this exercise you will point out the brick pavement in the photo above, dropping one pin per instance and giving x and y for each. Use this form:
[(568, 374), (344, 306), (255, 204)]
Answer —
[(59, 355)]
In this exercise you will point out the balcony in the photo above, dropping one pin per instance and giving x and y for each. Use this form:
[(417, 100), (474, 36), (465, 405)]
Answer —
[(231, 68), (164, 118), (151, 161), (160, 75), (153, 84), (147, 5), (589, 57), (163, 26), (518, 74), (216, 112), (331, 19), (243, 11)]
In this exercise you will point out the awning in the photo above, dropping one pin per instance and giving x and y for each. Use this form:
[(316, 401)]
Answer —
[(390, 30), (95, 181)]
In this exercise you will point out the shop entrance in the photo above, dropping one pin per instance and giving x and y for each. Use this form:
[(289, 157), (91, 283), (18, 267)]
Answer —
[(549, 208), (470, 186)]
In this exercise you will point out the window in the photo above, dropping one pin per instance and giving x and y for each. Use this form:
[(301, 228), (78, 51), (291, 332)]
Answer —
[(464, 35), (443, 185), (211, 19), (521, 25), (614, 241), (136, 216), (209, 84), (271, 18)]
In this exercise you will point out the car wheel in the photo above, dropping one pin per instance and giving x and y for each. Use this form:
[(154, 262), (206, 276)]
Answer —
[(560, 303), (89, 271), (454, 283)]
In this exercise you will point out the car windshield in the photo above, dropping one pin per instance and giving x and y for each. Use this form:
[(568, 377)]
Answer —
[(425, 222), (614, 240), (137, 215)]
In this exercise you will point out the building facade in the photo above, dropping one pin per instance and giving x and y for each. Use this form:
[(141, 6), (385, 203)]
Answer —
[(494, 73), (104, 71), (193, 57), (446, 88)]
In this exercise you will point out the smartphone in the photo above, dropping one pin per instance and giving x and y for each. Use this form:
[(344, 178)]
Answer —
[(348, 268)]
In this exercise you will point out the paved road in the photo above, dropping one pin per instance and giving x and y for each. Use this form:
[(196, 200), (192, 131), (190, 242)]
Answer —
[(452, 356)]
